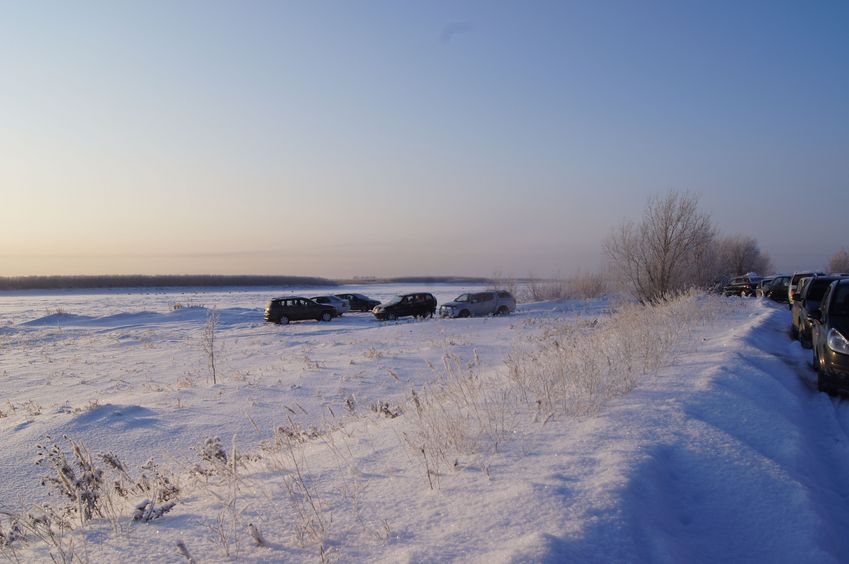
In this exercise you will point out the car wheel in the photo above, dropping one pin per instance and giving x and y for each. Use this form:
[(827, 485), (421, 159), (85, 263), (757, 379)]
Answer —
[(392, 316), (794, 333), (815, 361), (503, 310), (326, 316), (283, 320), (805, 340), (464, 313)]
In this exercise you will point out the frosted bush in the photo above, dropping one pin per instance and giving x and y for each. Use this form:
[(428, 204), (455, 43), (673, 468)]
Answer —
[(464, 411), (575, 370)]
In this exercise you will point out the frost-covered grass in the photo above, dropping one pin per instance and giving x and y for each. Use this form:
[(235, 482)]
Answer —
[(576, 367)]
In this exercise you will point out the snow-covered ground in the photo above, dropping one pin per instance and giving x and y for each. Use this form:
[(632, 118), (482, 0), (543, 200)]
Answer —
[(356, 440)]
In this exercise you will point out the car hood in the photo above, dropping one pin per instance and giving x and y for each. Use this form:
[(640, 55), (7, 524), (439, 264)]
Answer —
[(455, 304)]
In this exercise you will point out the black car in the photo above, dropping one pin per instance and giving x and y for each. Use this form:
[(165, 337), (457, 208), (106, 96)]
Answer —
[(742, 285), (296, 308), (359, 302), (810, 300), (762, 286), (420, 304), (830, 329), (777, 289), (796, 305)]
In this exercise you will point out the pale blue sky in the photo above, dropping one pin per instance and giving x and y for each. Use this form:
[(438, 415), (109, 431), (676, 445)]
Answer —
[(390, 138)]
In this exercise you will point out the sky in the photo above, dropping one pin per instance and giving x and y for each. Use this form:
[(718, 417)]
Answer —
[(409, 138)]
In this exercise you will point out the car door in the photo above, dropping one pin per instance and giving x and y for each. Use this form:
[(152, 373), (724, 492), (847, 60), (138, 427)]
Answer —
[(407, 306), (311, 309), (300, 309), (289, 309), (485, 303), (818, 326)]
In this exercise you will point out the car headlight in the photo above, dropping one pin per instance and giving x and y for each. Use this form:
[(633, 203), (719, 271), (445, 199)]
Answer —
[(837, 342)]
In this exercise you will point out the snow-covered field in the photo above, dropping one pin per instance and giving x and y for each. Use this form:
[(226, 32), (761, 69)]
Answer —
[(691, 433)]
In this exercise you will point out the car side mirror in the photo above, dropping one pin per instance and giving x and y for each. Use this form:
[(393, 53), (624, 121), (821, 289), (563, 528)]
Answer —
[(815, 314)]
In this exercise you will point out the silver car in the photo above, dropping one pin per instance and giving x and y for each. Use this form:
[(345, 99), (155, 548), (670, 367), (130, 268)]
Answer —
[(340, 305), (491, 302)]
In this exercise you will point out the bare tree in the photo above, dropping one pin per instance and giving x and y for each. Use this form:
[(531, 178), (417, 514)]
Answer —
[(739, 255), (840, 261), (666, 251)]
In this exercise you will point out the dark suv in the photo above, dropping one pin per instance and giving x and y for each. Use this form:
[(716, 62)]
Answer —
[(359, 302), (777, 289), (420, 304), (742, 285), (296, 308), (761, 287), (830, 329)]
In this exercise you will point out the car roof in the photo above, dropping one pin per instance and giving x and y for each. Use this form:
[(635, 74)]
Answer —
[(822, 279)]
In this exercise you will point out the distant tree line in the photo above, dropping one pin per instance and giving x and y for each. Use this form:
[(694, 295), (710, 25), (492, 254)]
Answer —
[(156, 281), (417, 280)]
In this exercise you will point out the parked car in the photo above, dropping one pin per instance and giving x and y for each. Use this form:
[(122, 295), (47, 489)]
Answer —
[(811, 298), (419, 304), (742, 285), (359, 302), (794, 281), (796, 306), (340, 305), (762, 286), (830, 329), (490, 302), (777, 289), (296, 308)]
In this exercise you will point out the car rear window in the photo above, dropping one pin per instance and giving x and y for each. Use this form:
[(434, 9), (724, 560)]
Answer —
[(840, 301), (817, 288)]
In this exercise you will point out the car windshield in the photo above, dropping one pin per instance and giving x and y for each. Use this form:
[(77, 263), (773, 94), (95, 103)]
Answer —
[(360, 297), (393, 300), (462, 298)]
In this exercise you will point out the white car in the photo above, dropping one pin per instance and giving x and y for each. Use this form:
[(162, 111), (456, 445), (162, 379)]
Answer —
[(490, 302), (341, 306)]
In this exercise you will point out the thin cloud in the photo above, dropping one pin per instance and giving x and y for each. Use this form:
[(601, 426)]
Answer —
[(453, 29)]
